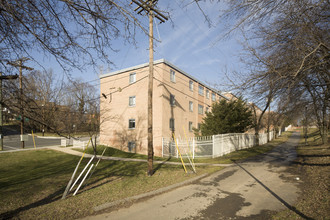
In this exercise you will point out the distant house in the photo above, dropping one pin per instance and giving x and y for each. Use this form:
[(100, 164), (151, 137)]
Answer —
[(179, 105)]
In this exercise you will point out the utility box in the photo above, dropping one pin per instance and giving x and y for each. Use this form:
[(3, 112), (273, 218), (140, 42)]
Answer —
[(24, 137)]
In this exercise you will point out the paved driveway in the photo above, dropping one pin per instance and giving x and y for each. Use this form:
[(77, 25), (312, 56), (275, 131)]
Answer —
[(249, 190)]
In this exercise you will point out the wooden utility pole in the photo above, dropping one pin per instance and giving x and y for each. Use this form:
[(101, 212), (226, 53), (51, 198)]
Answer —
[(148, 7), (19, 63), (21, 101), (1, 133)]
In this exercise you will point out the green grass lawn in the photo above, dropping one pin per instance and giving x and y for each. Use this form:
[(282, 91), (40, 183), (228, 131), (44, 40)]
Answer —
[(32, 183)]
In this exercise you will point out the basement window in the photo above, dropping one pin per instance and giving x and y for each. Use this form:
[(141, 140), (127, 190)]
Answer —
[(131, 146)]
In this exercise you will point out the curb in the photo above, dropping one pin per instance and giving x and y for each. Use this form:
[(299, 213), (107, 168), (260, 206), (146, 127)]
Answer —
[(148, 194), (27, 149)]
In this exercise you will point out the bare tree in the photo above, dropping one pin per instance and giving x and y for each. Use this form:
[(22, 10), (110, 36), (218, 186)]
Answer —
[(75, 33), (289, 59)]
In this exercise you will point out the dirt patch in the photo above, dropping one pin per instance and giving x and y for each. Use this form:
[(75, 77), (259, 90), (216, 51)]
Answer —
[(312, 166)]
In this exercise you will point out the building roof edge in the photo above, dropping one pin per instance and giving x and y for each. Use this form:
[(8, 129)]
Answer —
[(158, 62)]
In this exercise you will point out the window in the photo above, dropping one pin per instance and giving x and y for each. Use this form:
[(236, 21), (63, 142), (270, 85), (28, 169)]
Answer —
[(190, 126), (132, 78), (191, 85), (131, 101), (200, 109), (131, 146), (172, 100), (207, 109), (172, 76), (201, 90), (172, 124), (191, 106), (207, 94), (213, 97), (131, 123), (199, 126)]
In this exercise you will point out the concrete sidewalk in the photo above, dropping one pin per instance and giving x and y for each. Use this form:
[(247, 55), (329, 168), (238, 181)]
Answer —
[(252, 189), (69, 150)]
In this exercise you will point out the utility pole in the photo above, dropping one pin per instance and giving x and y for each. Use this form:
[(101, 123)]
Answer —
[(1, 123), (148, 7), (19, 63)]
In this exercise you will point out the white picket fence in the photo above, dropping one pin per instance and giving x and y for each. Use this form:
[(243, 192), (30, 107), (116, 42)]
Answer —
[(211, 146)]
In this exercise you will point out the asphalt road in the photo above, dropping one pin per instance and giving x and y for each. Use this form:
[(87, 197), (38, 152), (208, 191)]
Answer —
[(12, 142), (252, 189)]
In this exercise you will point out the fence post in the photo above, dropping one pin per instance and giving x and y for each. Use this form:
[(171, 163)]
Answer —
[(221, 153), (212, 146), (193, 147), (239, 141), (162, 147)]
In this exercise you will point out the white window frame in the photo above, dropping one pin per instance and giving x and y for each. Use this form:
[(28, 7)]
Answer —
[(207, 94), (131, 120), (172, 76), (132, 101), (132, 78), (200, 109), (191, 85), (201, 90), (190, 126), (213, 97), (191, 106)]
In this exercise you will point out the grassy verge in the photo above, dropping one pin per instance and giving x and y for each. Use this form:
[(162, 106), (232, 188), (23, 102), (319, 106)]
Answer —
[(32, 183), (312, 165)]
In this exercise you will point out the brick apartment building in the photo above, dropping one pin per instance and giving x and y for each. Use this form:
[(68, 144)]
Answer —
[(179, 105)]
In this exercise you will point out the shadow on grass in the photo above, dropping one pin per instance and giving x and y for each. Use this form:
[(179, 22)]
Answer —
[(106, 173), (50, 198), (312, 164), (161, 164)]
